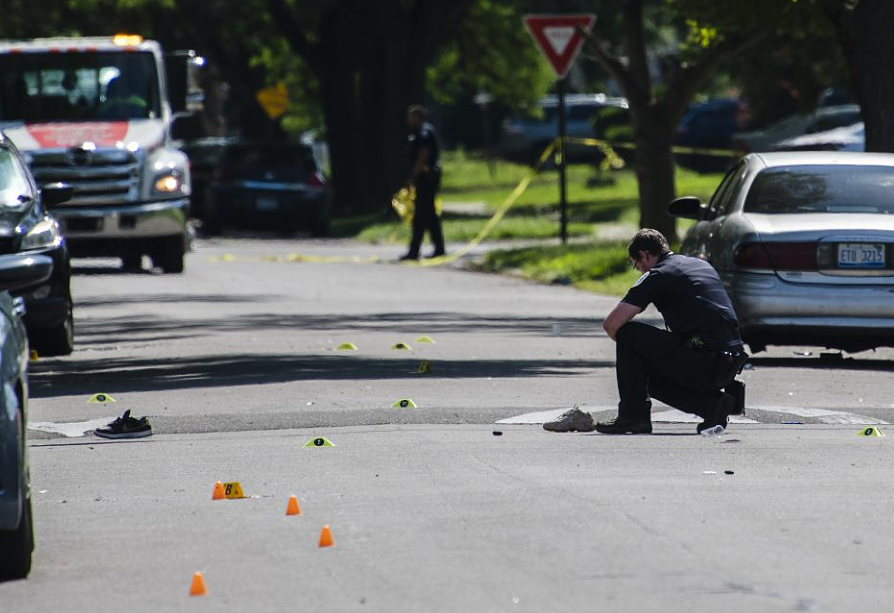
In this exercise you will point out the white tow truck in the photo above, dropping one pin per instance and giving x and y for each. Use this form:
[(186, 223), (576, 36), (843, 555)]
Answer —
[(99, 115)]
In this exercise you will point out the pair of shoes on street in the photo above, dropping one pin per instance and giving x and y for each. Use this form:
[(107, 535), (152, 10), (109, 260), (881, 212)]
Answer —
[(407, 257), (718, 415), (126, 427)]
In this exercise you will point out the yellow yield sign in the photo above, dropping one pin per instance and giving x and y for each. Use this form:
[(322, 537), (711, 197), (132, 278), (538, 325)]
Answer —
[(274, 100)]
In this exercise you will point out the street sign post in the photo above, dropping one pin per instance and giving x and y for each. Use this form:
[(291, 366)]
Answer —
[(560, 41)]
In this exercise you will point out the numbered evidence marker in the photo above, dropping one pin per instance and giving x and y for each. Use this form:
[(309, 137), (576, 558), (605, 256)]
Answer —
[(401, 346), (346, 347), (404, 403), (424, 368), (870, 431), (426, 339), (320, 441), (233, 490), (100, 398)]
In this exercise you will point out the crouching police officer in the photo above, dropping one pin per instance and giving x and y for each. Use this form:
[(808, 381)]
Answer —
[(686, 367)]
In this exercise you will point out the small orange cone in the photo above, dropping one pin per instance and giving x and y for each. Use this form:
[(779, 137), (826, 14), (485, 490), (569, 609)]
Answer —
[(326, 537), (198, 585), (293, 508), (218, 492)]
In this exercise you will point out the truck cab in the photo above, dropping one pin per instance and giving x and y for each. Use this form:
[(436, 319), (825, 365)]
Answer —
[(95, 114)]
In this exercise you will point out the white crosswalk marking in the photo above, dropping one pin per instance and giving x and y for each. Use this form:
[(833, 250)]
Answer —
[(669, 415)]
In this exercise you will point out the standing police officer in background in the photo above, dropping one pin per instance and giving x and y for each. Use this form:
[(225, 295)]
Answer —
[(425, 176), (688, 365)]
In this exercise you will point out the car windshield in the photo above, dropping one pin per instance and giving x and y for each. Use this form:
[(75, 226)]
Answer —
[(822, 189), (78, 86), (12, 182)]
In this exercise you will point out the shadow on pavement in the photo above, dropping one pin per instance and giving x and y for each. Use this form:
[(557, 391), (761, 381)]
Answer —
[(61, 378), (824, 363)]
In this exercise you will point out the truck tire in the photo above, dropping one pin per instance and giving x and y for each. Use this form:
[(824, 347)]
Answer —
[(168, 254), (17, 546), (58, 340)]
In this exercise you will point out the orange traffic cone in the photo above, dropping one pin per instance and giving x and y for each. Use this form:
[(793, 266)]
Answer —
[(326, 537), (293, 508), (218, 492), (198, 585)]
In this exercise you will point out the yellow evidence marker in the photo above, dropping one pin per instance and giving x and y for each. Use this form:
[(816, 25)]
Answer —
[(404, 403), (320, 441), (871, 431), (100, 398), (401, 346), (233, 490), (424, 368), (346, 347), (425, 339)]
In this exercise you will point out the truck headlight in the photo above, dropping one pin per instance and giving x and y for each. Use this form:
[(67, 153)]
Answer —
[(168, 183), (45, 234)]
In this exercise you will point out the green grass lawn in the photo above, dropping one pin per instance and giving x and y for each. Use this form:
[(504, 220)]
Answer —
[(602, 205)]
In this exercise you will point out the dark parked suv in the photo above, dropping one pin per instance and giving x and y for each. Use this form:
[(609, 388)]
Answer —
[(274, 184), (27, 227)]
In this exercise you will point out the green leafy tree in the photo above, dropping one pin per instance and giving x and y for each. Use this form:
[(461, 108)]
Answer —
[(713, 33)]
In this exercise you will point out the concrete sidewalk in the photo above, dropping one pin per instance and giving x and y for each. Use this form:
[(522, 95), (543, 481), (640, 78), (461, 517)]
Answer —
[(455, 518)]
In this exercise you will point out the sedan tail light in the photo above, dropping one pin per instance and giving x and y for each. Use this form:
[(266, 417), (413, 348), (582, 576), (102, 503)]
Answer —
[(778, 256)]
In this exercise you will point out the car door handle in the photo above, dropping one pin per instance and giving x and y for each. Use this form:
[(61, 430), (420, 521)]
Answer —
[(18, 306)]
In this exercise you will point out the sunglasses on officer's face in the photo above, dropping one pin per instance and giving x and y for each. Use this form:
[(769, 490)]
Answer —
[(635, 263)]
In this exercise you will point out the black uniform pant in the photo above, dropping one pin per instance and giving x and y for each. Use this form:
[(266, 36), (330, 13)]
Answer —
[(654, 363), (425, 217)]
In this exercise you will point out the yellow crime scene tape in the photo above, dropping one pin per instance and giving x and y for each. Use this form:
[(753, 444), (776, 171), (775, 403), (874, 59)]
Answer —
[(404, 199)]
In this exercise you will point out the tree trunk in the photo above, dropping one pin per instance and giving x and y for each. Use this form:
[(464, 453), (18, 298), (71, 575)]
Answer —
[(866, 36), (655, 172)]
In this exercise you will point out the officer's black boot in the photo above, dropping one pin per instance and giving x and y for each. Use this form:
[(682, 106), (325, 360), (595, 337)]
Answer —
[(736, 389)]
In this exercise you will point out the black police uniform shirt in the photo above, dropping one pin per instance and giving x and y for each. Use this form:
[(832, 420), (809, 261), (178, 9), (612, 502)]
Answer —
[(691, 298), (424, 138)]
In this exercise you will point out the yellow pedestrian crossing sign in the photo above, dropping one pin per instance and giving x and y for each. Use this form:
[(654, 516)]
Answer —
[(274, 100)]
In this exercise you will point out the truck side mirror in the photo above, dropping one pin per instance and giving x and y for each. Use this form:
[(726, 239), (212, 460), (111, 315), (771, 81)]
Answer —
[(54, 194), (687, 207), (184, 87)]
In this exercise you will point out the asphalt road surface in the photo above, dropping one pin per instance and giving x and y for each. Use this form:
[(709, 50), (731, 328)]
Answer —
[(236, 364)]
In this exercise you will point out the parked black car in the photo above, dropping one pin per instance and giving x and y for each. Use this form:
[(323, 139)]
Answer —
[(278, 185), (27, 227), (16, 528)]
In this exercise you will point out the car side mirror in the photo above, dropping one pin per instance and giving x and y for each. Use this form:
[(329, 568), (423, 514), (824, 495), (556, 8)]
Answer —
[(687, 207), (55, 193), (18, 270)]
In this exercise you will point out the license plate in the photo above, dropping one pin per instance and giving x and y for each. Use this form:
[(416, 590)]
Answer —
[(266, 204), (861, 255)]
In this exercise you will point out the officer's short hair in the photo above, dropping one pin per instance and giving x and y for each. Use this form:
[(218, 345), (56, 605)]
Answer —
[(648, 240), (417, 109)]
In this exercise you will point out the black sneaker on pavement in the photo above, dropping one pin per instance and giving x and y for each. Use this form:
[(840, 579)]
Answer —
[(126, 427), (719, 413), (572, 420), (624, 426)]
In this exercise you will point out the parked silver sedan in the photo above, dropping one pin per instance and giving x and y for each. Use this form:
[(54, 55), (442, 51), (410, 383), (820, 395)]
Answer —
[(804, 243)]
